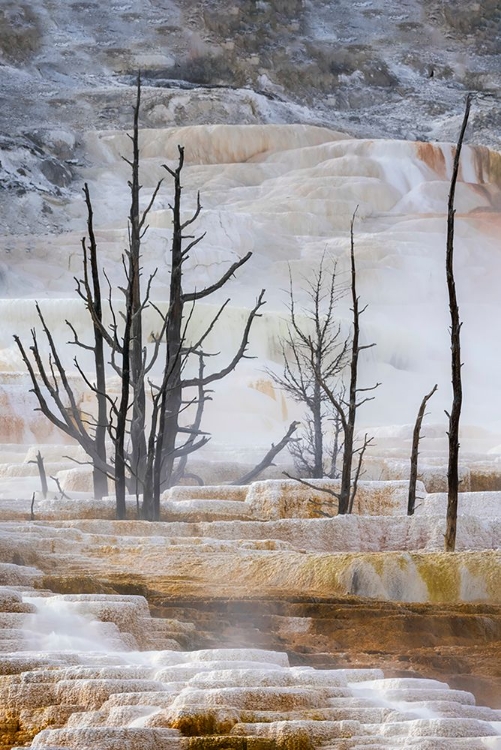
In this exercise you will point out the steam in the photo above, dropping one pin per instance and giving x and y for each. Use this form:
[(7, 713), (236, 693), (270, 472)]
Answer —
[(55, 626)]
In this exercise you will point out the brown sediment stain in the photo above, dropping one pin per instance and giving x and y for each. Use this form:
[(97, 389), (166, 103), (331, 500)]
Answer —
[(487, 165), (12, 426), (231, 743), (266, 387), (433, 156), (298, 740), (487, 162), (20, 724), (76, 584)]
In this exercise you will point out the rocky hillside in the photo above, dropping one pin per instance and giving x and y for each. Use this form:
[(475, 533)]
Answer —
[(374, 68)]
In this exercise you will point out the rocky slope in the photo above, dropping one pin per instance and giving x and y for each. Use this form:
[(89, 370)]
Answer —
[(374, 68)]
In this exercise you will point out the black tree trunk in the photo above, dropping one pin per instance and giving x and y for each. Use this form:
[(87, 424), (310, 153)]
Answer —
[(455, 331)]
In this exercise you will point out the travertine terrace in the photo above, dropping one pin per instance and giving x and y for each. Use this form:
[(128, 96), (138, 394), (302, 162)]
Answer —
[(287, 194), (95, 670)]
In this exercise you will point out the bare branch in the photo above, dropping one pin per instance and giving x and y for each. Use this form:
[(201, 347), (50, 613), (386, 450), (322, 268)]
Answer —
[(240, 353), (315, 487), (192, 296), (269, 457)]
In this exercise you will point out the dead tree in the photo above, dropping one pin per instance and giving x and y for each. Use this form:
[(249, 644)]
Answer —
[(347, 408), (455, 332), (149, 445), (416, 436), (169, 440), (135, 305), (91, 295), (314, 344), (158, 443), (55, 396), (128, 415)]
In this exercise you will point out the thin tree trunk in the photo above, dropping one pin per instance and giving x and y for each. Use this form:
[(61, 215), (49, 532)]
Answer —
[(137, 427), (336, 447), (202, 397), (168, 401), (121, 426), (120, 461), (411, 504), (318, 438), (100, 480), (455, 330), (349, 429), (172, 401)]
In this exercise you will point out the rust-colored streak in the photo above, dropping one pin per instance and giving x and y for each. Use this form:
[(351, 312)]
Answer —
[(487, 166), (495, 168), (432, 155)]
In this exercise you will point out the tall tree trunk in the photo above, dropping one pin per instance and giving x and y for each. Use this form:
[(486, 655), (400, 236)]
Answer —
[(100, 480), (137, 427), (121, 426), (349, 429), (344, 492), (455, 330), (173, 393)]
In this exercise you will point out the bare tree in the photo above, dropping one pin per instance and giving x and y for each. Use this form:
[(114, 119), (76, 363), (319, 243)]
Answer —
[(127, 423), (169, 440), (316, 359), (150, 442), (455, 332), (416, 436), (314, 344), (51, 386), (161, 443), (347, 407), (57, 399), (91, 295)]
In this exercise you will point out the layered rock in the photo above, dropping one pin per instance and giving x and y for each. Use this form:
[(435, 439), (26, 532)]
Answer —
[(106, 695)]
